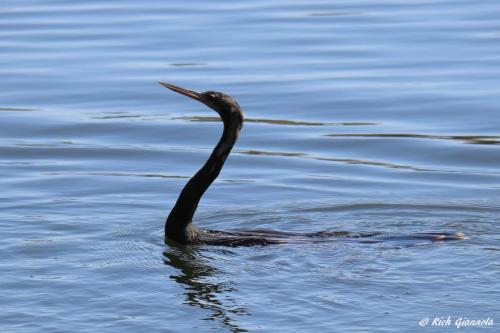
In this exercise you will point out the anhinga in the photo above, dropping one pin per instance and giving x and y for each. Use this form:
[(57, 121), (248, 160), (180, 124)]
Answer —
[(179, 226)]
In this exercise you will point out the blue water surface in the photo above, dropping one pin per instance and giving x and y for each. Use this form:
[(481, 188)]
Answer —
[(362, 116)]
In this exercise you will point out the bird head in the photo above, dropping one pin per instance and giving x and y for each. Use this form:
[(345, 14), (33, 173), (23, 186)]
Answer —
[(226, 106)]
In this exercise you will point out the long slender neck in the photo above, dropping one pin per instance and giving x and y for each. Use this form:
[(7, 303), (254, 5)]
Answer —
[(178, 225)]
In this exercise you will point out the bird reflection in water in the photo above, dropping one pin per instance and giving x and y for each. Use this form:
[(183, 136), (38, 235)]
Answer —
[(202, 288)]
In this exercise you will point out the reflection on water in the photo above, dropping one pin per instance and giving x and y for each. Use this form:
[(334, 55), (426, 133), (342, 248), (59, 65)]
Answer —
[(16, 109), (481, 139), (114, 174), (277, 121), (332, 14), (187, 64), (202, 286), (330, 159)]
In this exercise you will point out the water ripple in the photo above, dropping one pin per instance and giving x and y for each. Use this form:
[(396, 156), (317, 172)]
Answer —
[(471, 139)]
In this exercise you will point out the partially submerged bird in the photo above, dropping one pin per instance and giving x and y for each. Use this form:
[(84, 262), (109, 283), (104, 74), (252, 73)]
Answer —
[(179, 226)]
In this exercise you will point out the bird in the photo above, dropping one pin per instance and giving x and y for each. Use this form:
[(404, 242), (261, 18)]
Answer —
[(179, 225)]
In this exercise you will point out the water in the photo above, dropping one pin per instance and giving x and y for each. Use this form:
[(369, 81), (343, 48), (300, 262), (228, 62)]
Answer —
[(362, 116)]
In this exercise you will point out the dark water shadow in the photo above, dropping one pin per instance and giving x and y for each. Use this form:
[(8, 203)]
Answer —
[(114, 174), (275, 121), (470, 139), (322, 14), (335, 160), (202, 289), (16, 109), (188, 64), (118, 116)]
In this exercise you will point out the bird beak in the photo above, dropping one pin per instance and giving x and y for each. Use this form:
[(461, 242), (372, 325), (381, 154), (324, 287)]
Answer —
[(189, 93)]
